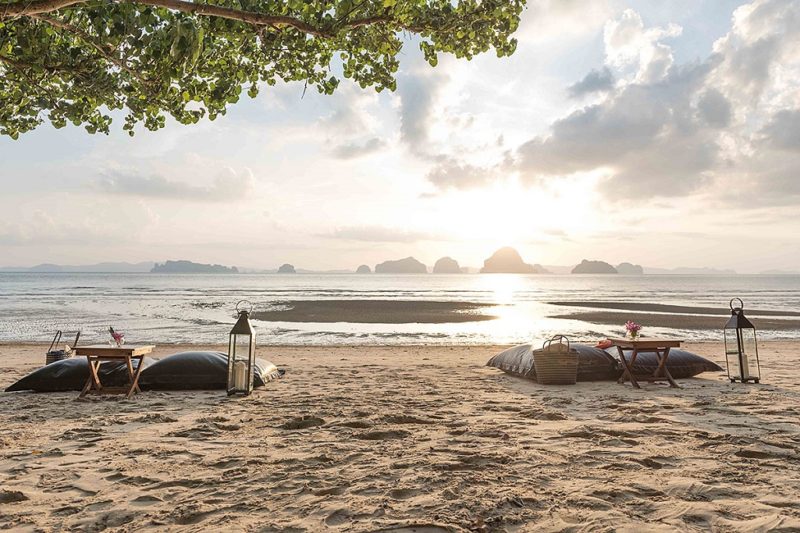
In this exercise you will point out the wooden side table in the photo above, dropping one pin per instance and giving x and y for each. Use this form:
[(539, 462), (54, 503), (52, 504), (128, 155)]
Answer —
[(97, 354), (660, 347)]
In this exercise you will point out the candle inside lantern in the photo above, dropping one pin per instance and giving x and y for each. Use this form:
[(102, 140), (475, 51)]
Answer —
[(240, 375)]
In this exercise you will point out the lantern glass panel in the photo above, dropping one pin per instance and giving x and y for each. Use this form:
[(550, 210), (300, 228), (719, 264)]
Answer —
[(240, 376), (749, 354)]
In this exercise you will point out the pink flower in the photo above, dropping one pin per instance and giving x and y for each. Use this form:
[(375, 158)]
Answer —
[(632, 326), (117, 336)]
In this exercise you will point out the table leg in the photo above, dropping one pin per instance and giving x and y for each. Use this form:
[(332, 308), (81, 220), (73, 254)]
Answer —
[(662, 369), (93, 382), (628, 372), (135, 377)]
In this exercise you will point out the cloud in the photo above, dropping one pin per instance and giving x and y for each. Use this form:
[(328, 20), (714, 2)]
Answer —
[(452, 173), (557, 20), (595, 81), (714, 109), (629, 44), (72, 225), (644, 135), (226, 186), (672, 130), (419, 92), (379, 234), (353, 150), (783, 130)]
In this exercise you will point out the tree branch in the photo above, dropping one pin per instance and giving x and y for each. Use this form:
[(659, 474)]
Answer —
[(39, 66), (32, 8), (249, 17), (92, 42)]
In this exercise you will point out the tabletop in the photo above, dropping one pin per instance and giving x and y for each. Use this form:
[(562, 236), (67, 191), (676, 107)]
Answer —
[(646, 343), (104, 350)]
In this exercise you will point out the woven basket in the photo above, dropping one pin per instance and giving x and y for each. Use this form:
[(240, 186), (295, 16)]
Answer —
[(555, 362), (58, 355)]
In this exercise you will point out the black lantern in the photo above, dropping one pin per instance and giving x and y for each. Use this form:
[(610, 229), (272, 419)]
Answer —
[(242, 352), (741, 348)]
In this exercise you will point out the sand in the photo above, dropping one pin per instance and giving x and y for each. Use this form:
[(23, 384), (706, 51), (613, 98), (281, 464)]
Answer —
[(690, 322), (376, 312), (422, 438), (666, 308)]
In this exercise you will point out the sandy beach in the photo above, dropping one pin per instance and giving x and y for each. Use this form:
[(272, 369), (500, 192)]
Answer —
[(406, 439)]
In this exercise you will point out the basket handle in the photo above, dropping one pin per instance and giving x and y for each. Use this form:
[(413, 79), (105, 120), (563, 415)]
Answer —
[(56, 339), (554, 338), (77, 336)]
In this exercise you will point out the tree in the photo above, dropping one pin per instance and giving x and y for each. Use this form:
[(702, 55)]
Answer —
[(76, 60)]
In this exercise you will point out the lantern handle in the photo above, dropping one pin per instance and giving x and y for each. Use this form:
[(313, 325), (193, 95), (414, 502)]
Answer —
[(741, 304), (248, 310)]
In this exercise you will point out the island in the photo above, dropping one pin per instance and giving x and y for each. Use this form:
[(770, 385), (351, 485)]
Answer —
[(409, 265), (188, 267), (286, 268), (363, 269), (594, 267), (630, 269), (446, 265), (508, 261)]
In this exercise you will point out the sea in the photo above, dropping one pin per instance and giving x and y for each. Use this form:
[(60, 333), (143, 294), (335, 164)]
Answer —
[(200, 309)]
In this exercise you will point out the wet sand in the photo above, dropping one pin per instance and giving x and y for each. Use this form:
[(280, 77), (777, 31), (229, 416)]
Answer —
[(663, 308), (407, 439), (376, 312), (674, 321)]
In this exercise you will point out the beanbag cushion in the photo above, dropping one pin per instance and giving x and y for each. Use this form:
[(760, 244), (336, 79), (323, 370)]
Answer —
[(71, 375), (180, 371), (595, 364), (198, 371), (681, 364)]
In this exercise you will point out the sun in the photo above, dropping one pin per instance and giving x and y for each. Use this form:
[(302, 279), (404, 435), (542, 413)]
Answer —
[(510, 213)]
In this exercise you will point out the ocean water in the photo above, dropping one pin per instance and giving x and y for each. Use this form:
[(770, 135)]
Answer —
[(200, 308)]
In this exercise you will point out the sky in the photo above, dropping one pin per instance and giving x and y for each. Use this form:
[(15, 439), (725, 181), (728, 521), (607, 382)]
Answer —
[(659, 133)]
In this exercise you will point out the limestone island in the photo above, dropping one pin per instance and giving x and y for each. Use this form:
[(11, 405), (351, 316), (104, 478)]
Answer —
[(363, 269), (446, 265), (286, 268), (409, 265), (630, 269), (188, 267), (594, 267), (508, 261)]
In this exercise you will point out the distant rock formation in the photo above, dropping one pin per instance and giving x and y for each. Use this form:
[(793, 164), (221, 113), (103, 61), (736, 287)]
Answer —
[(508, 261), (286, 268), (363, 269), (409, 265), (188, 267), (630, 269), (594, 267), (446, 265)]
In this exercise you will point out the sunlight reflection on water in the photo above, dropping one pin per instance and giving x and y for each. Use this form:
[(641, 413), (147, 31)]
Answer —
[(199, 308)]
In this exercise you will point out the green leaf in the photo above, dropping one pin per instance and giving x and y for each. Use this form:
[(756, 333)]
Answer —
[(189, 67)]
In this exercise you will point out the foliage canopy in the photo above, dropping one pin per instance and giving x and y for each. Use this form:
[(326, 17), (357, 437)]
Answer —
[(73, 61)]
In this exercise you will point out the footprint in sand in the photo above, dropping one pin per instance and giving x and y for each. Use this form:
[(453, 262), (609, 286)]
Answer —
[(402, 494), (355, 424), (303, 422), (384, 435), (416, 528), (337, 518), (407, 419), (11, 496), (146, 500)]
